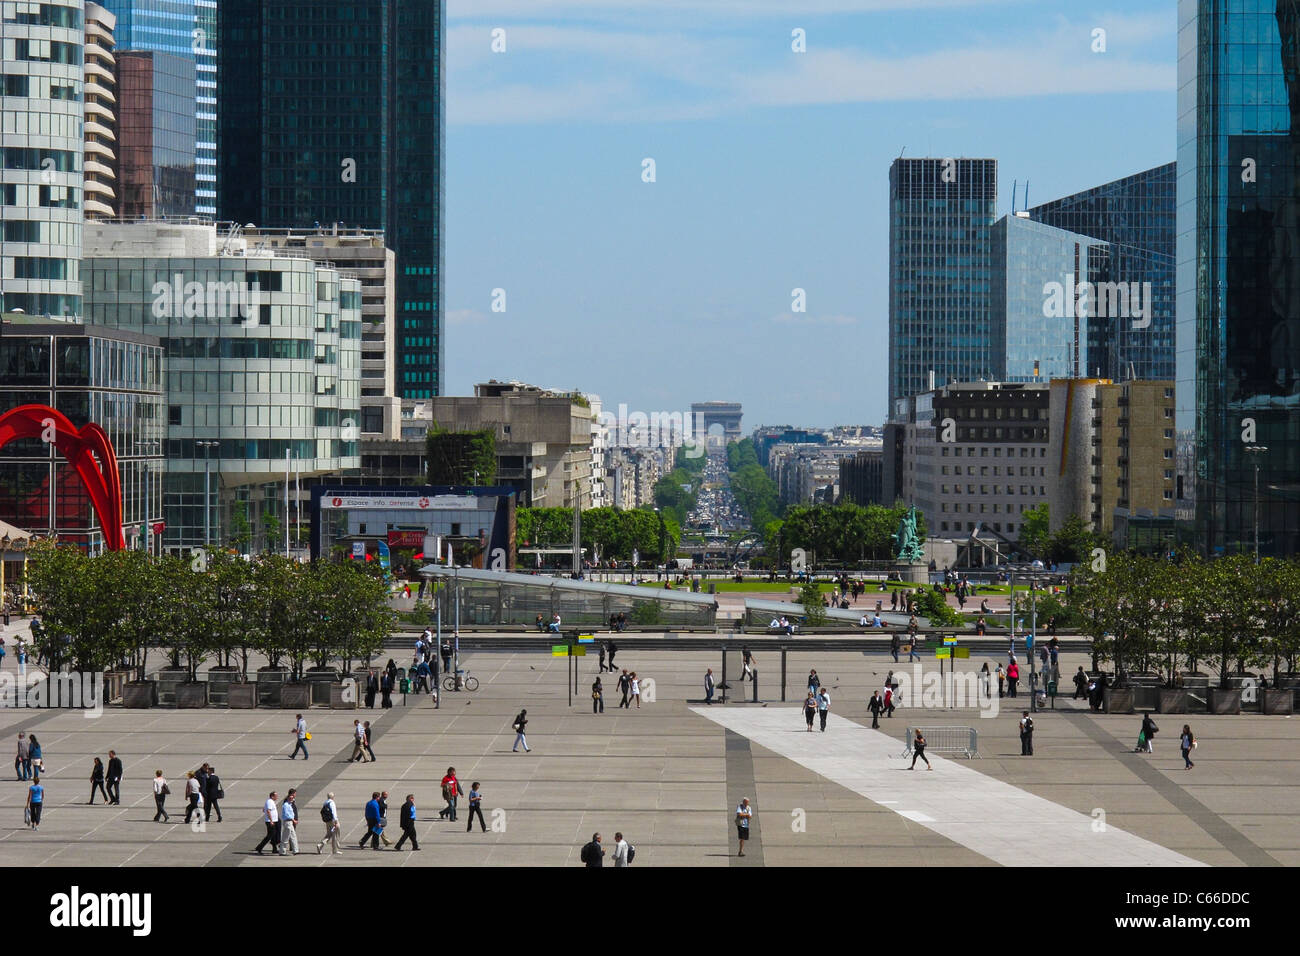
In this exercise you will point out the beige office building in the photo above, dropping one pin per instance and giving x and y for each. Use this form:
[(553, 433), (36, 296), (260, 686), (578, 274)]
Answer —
[(99, 94)]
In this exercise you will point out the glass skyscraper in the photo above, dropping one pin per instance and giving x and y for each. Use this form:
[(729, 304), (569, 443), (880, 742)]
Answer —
[(1134, 216), (1238, 261), (183, 28), (333, 112), (941, 213), (155, 118)]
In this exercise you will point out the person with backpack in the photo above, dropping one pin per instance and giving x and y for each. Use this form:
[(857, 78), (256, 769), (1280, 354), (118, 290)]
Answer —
[(329, 815), (450, 791), (593, 853), (475, 806), (918, 751), (1026, 734), (1146, 734), (623, 851), (519, 724), (406, 820), (1187, 742)]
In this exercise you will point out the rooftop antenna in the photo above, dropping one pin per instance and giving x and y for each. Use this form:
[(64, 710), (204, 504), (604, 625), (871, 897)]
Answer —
[(1013, 197), (1026, 194)]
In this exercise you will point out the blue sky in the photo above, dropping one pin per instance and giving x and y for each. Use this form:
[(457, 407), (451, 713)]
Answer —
[(772, 173)]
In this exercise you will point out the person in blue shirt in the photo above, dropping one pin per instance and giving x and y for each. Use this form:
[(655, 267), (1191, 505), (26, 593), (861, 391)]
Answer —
[(475, 806), (372, 822), (406, 818), (34, 752), (35, 800)]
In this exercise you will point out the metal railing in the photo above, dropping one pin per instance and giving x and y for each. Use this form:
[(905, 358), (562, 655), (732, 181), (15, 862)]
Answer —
[(961, 741)]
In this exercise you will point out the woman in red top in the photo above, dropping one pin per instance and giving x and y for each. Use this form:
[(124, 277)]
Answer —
[(1013, 675), (450, 791)]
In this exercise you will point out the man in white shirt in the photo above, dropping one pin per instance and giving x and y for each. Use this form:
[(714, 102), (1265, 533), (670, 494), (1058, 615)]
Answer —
[(620, 850), (271, 817), (289, 823), (331, 826), (359, 750), (743, 816), (823, 706), (300, 731)]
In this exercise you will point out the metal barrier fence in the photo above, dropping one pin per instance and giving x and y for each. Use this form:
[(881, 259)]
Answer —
[(944, 740)]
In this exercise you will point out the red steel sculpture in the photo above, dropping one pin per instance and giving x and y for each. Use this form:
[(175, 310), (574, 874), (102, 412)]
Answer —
[(81, 447)]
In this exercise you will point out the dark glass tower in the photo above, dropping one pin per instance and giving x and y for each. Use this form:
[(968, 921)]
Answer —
[(1135, 217), (333, 112), (940, 272), (1238, 257)]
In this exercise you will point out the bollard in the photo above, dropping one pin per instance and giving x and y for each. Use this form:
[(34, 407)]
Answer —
[(783, 652)]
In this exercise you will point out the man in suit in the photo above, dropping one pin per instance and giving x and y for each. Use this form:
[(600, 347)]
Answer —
[(372, 688), (211, 794), (114, 778), (407, 820)]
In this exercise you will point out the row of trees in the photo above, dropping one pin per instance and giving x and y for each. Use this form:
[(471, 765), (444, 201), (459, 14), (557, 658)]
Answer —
[(844, 532), (1069, 544), (607, 533), (754, 490), (1150, 614), (109, 611), (671, 491)]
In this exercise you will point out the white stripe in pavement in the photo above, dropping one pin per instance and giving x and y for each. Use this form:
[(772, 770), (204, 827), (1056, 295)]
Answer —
[(956, 801)]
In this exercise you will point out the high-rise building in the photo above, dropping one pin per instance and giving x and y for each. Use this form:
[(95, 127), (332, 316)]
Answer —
[(1238, 262), (187, 29), (941, 212), (155, 134), (338, 116), (100, 96), (1134, 216), (42, 65)]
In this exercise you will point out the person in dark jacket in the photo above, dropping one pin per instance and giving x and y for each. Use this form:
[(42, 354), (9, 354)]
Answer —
[(114, 777), (875, 705), (1080, 684), (212, 794), (97, 781), (1149, 730), (593, 853), (372, 688), (406, 819), (386, 688)]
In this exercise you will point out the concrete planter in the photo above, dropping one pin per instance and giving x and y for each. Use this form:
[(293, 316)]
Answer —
[(269, 682), (1119, 701), (343, 696), (320, 680), (241, 696), (1225, 701), (170, 678), (219, 681), (189, 696), (295, 696), (114, 681), (140, 693), (1277, 701), (1172, 701)]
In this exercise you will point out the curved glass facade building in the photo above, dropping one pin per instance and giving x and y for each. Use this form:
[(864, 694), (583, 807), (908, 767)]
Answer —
[(41, 157), (1238, 340)]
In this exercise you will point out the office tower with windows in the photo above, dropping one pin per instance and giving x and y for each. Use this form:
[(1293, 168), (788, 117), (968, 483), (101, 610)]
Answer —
[(941, 212), (1238, 263), (156, 134), (1134, 216), (334, 113), (100, 95), (41, 62)]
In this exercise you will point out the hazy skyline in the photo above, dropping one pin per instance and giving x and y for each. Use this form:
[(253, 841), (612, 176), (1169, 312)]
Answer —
[(771, 174)]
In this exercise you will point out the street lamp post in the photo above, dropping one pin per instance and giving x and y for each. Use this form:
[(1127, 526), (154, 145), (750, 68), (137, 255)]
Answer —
[(1255, 451), (207, 490)]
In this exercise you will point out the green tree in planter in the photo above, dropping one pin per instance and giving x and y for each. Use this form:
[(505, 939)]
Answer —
[(814, 612), (235, 623), (355, 618), (1279, 593), (647, 614), (1230, 612), (1119, 616), (934, 607)]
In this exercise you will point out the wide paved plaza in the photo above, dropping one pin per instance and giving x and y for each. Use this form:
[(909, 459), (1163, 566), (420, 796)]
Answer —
[(669, 775)]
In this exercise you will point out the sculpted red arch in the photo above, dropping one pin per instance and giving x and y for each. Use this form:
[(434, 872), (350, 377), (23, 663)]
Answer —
[(88, 450)]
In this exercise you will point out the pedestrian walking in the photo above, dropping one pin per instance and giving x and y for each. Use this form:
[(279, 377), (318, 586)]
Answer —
[(635, 687), (383, 819), (406, 820), (1147, 734), (623, 851), (23, 759), (744, 814), (1080, 683), (1026, 734), (912, 652), (372, 683), (602, 655), (875, 705), (625, 686), (475, 807), (35, 802), (329, 814), (708, 686), (300, 732), (895, 643), (1002, 680), (1013, 677), (359, 742), (597, 697), (613, 648), (814, 682), (114, 778), (1187, 743), (446, 655), (519, 724), (271, 818), (37, 757), (289, 823), (366, 739), (450, 793), (97, 781), (747, 661), (810, 710), (823, 707), (593, 854), (160, 793), (212, 795), (193, 794), (918, 751), (373, 825), (986, 680), (386, 688)]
